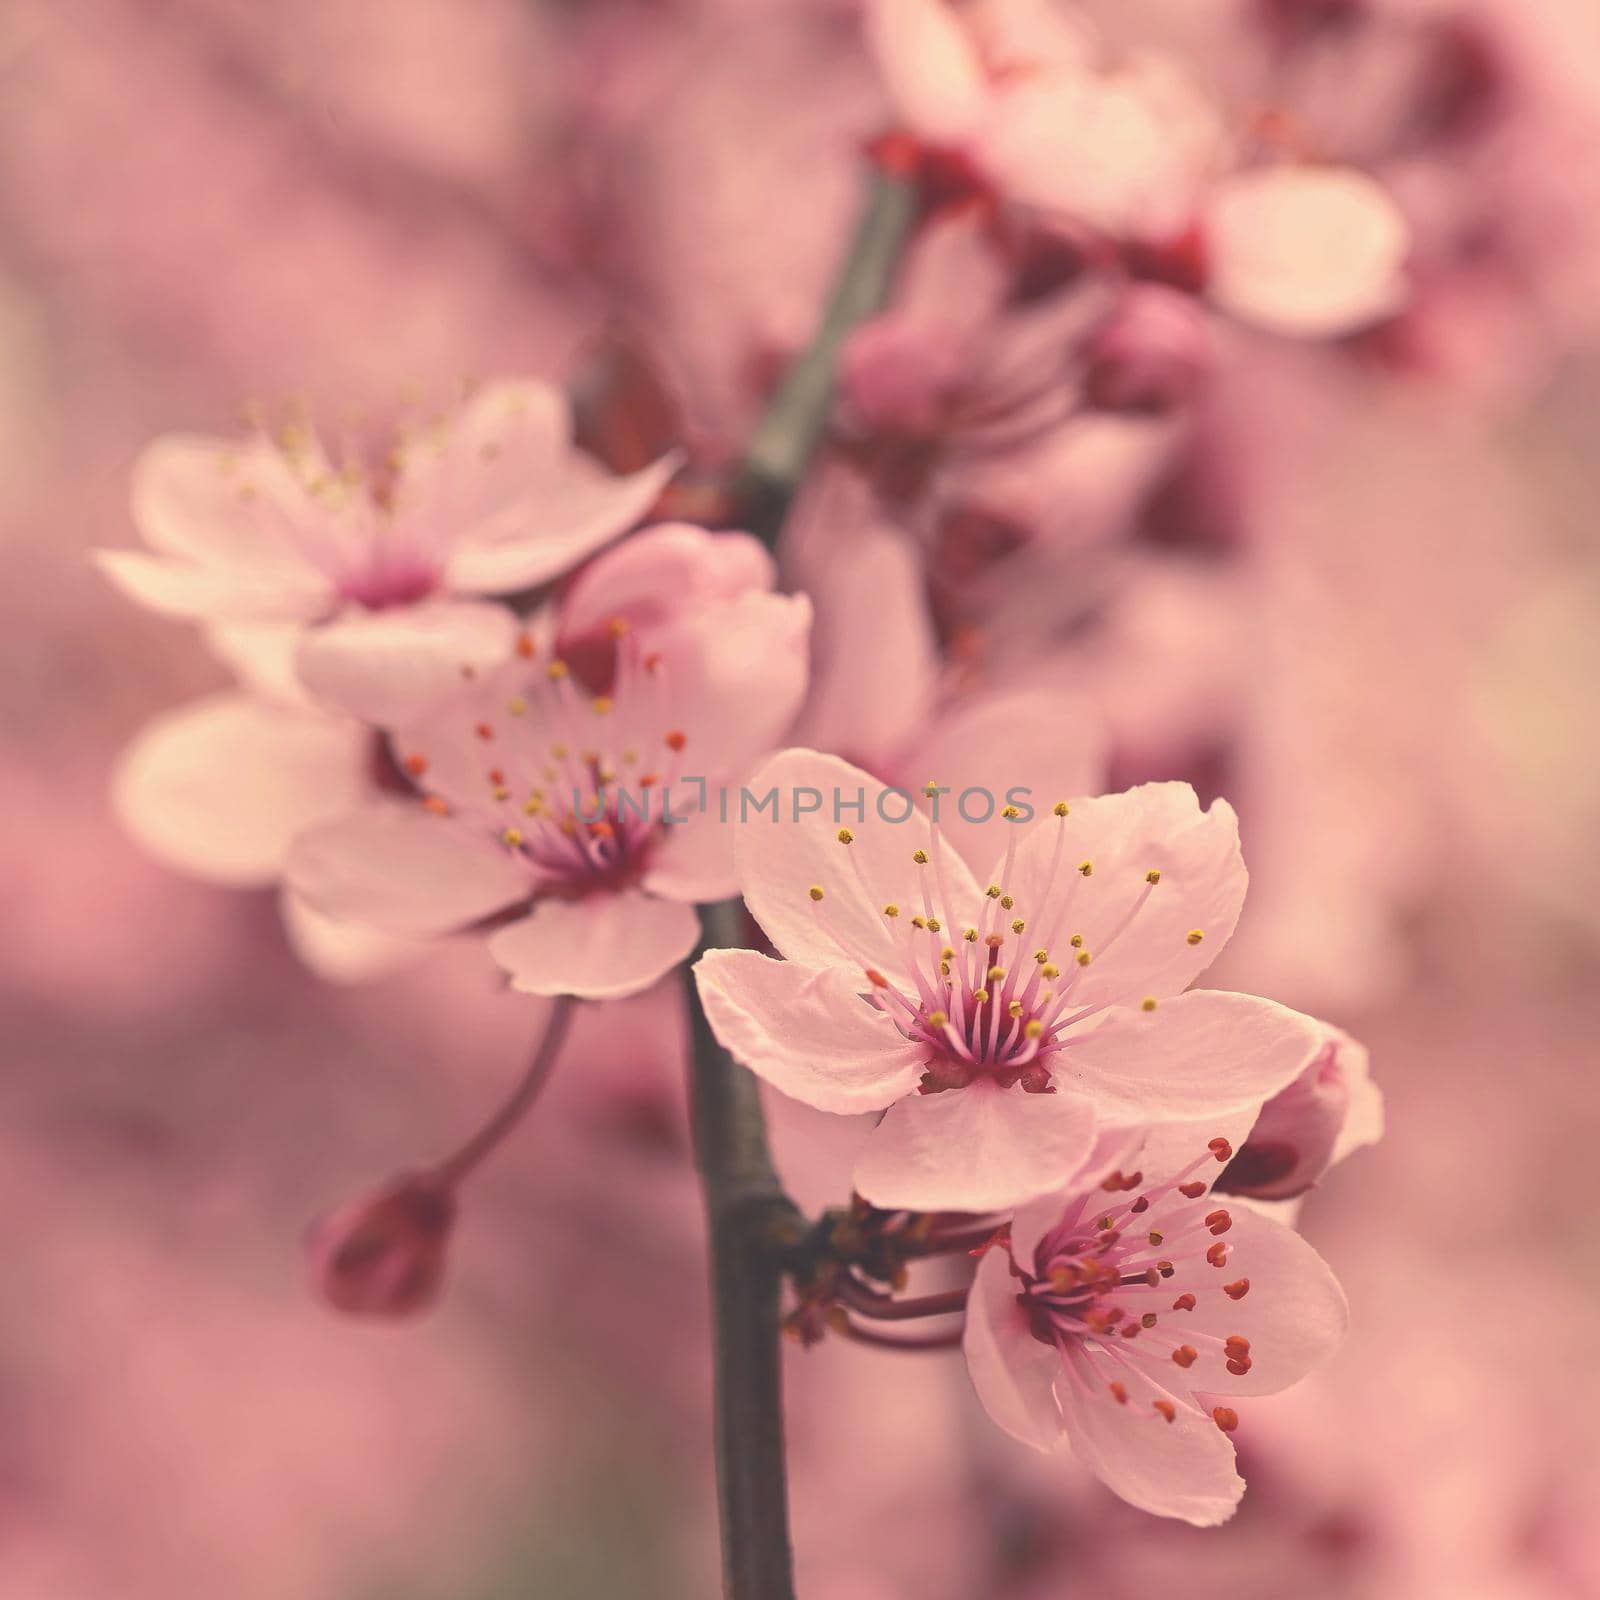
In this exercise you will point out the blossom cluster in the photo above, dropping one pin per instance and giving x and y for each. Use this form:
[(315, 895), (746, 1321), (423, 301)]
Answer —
[(496, 685)]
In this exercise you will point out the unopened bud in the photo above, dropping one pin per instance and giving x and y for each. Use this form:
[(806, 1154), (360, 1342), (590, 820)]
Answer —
[(384, 1254), (1152, 355)]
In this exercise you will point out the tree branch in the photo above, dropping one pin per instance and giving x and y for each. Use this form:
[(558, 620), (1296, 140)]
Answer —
[(787, 434), (750, 1220)]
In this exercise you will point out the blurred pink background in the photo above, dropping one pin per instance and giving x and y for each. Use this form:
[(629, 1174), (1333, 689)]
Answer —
[(1360, 596)]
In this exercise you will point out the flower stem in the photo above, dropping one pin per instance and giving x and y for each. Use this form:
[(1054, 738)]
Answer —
[(750, 1222), (787, 435)]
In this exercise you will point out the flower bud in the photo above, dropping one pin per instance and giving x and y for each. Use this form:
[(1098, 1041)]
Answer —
[(384, 1254), (1150, 356), (1293, 1141), (896, 375)]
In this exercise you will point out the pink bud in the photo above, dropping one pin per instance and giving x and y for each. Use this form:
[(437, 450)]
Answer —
[(896, 374), (1292, 1143), (384, 1255), (1150, 356)]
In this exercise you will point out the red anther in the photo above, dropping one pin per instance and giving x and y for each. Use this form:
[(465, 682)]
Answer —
[(676, 740), (439, 807), (1186, 1355), (1236, 1345), (484, 731), (897, 153), (1141, 1205), (877, 979), (602, 830), (1238, 1289), (1118, 1181), (1218, 1221), (416, 765), (1191, 1191), (1217, 1254), (1167, 1409), (1238, 1365), (1221, 1149), (649, 780), (1165, 1268), (497, 777), (1225, 1418), (1184, 1302), (525, 646), (1130, 1332), (652, 661), (1119, 1393)]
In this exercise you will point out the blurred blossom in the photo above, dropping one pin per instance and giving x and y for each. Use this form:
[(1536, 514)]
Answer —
[(384, 1254)]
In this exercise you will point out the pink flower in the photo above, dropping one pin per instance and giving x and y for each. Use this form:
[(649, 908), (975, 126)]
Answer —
[(1121, 1320), (381, 567), (1331, 1110), (1133, 152), (575, 795), (995, 1020)]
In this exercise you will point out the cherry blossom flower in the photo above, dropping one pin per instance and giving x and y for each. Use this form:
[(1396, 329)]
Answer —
[(1122, 1320), (574, 795), (382, 568), (995, 1020), (1020, 102)]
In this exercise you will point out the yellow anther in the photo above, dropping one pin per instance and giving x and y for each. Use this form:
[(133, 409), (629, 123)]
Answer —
[(948, 953), (617, 626), (934, 925), (980, 997), (533, 807), (1086, 868), (517, 707), (501, 792), (1194, 935), (1010, 813), (944, 969), (1153, 875), (1014, 1009), (1006, 902), (1018, 925), (937, 1019), (512, 836), (1148, 1003), (920, 857), (845, 836), (559, 752), (930, 788), (1050, 970), (919, 922), (1041, 955), (1084, 958), (996, 975), (1032, 1028), (1060, 808), (600, 705), (891, 910), (993, 891), (1076, 941), (557, 669), (971, 936), (815, 891)]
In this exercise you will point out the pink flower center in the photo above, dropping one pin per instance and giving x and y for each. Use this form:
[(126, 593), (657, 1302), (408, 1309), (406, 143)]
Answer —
[(386, 584), (1140, 1282), (992, 996), (583, 808)]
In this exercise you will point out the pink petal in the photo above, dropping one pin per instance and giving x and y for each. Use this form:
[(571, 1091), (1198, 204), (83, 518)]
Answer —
[(807, 1032), (220, 787), (1013, 1372), (547, 525), (387, 667), (1137, 933), (1183, 1468), (693, 860), (602, 947), (733, 677), (981, 1148), (176, 589), (1194, 1056), (261, 656), (1295, 1314), (1049, 743), (661, 572), (876, 658), (930, 67), (814, 1151), (401, 869), (343, 952), (1313, 252), (781, 860)]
